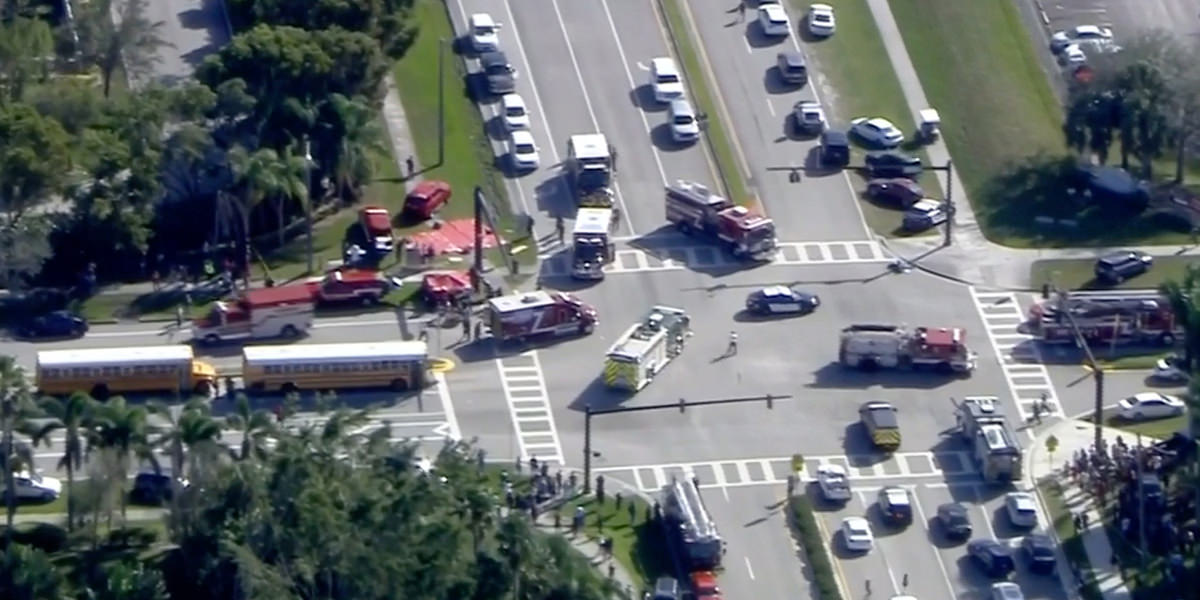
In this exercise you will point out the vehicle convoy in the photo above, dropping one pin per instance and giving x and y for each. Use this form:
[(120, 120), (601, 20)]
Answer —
[(692, 207), (590, 164), (895, 346), (695, 536), (591, 242), (993, 444), (534, 314), (646, 348), (284, 311), (1107, 321), (879, 418), (363, 286)]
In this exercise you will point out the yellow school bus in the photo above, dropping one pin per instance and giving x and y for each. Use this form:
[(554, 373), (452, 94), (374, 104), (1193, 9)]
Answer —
[(105, 371), (289, 368)]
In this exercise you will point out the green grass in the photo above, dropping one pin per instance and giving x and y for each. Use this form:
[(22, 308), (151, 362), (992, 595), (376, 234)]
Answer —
[(1079, 273), (56, 506), (1072, 545), (638, 543), (689, 53), (1159, 429), (978, 67), (1134, 362), (107, 308)]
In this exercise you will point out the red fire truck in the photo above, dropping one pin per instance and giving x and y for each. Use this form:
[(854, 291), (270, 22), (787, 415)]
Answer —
[(364, 286), (1107, 321), (521, 316), (691, 207), (285, 311)]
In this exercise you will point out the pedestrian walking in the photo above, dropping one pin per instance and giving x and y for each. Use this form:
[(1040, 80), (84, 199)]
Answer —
[(741, 8), (1084, 520), (617, 498), (1077, 521), (732, 348), (478, 330), (411, 163), (179, 316), (559, 228), (466, 332), (1037, 412)]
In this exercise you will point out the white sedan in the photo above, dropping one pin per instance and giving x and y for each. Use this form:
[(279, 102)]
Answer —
[(877, 131), (773, 20), (485, 32), (856, 534), (1021, 508), (833, 483), (1150, 405), (514, 112), (33, 486), (1083, 33), (809, 118), (820, 20), (523, 150)]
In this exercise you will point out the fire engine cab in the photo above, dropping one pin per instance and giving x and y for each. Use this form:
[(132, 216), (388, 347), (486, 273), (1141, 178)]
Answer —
[(285, 311), (364, 286), (521, 316)]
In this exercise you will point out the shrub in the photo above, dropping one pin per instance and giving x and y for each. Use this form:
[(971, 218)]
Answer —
[(131, 537), (805, 523), (47, 537)]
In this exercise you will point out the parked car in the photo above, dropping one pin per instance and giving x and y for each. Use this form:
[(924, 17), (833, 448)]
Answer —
[(773, 21), (1116, 267), (821, 22), (426, 198), (34, 486), (685, 128), (808, 118), (897, 191), (1007, 590), (895, 504), (778, 299), (835, 148), (856, 534), (514, 112), (953, 519), (376, 224), (994, 558), (153, 488), (792, 67), (1021, 509), (877, 131), (57, 324), (665, 80), (500, 75), (1150, 405), (666, 588), (1073, 56), (924, 214), (893, 164), (485, 32), (1059, 40), (523, 150), (834, 485), (1040, 552)]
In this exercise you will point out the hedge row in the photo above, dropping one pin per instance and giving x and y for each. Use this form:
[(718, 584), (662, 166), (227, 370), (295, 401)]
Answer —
[(814, 546)]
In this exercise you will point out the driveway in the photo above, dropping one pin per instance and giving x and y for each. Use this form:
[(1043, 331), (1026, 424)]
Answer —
[(193, 28)]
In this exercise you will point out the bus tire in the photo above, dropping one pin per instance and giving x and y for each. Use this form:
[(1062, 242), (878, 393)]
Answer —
[(399, 385), (289, 331), (289, 387), (369, 300), (100, 391)]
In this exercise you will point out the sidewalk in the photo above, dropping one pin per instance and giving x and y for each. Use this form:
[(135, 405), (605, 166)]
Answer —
[(973, 258), (132, 515), (1072, 436)]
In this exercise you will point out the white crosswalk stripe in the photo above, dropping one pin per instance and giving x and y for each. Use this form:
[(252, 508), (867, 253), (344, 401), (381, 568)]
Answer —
[(529, 407), (748, 472), (674, 258), (1020, 357)]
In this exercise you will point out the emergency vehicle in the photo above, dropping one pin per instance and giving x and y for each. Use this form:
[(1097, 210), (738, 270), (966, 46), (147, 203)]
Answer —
[(646, 348), (697, 541), (895, 346), (590, 165), (376, 224), (1132, 320), (541, 313), (364, 286), (285, 311), (691, 207), (591, 241), (994, 445)]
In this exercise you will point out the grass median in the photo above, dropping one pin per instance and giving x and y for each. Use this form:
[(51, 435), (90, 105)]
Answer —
[(804, 523), (699, 79), (1072, 544)]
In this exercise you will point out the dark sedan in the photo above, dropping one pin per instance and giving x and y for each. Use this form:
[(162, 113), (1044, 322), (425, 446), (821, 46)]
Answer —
[(1039, 549), (994, 558), (899, 192), (952, 516), (58, 324), (893, 164), (776, 300)]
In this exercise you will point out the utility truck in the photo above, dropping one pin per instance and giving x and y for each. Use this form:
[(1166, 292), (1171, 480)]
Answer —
[(646, 348), (690, 527), (591, 242), (590, 164), (898, 347), (535, 314), (284, 311), (1131, 320), (993, 443), (693, 208)]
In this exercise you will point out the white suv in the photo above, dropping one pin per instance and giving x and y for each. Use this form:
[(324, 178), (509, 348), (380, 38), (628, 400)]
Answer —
[(485, 32), (32, 486), (665, 80), (682, 117)]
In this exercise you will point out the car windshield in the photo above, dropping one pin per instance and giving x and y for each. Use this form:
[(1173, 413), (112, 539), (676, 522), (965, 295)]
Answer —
[(668, 78), (524, 148), (498, 68), (516, 111), (482, 30), (684, 120)]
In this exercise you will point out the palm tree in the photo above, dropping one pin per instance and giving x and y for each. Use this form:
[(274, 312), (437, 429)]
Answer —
[(349, 135), (16, 406), (264, 174), (24, 46), (125, 38), (72, 416), (1184, 298), (121, 430), (190, 435), (255, 427)]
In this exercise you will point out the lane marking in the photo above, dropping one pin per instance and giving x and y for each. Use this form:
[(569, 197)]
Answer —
[(770, 107), (443, 390), (862, 499), (936, 553), (749, 569), (700, 257), (535, 408)]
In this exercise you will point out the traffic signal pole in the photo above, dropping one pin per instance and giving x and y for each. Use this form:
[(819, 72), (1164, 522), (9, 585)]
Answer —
[(589, 413)]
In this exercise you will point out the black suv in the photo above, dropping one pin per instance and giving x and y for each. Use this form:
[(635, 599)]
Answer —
[(501, 76), (1119, 266), (835, 148), (952, 516), (898, 191), (896, 506), (893, 164), (792, 67), (152, 488), (993, 557)]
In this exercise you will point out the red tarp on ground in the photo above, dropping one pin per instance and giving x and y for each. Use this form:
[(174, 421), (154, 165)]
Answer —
[(454, 237), (443, 285)]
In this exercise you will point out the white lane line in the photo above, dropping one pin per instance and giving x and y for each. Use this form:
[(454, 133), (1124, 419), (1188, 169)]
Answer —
[(591, 112), (936, 554), (749, 569), (531, 441), (633, 86), (746, 45), (770, 107), (447, 406), (862, 499), (532, 84)]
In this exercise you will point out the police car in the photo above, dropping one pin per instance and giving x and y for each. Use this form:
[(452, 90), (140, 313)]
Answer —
[(781, 300)]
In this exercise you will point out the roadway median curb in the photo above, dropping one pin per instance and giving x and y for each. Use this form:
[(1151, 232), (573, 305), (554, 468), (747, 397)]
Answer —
[(809, 533)]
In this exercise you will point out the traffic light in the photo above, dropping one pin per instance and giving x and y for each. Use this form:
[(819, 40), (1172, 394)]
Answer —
[(682, 404)]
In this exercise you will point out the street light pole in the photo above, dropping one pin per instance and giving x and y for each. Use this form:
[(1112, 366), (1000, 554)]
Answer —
[(441, 101), (950, 210), (587, 448), (308, 212)]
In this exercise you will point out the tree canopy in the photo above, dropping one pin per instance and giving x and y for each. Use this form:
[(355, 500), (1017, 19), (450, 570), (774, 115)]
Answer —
[(385, 20)]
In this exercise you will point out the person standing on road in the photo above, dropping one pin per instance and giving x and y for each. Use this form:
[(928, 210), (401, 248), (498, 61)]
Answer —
[(732, 349), (741, 8), (559, 228)]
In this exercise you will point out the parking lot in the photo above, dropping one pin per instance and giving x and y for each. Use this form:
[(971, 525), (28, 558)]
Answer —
[(908, 555)]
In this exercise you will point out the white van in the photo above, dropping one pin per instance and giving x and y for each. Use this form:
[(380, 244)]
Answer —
[(665, 80)]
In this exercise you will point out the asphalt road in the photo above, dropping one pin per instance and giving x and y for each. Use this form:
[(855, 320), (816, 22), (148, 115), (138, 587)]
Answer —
[(192, 28), (823, 206), (583, 68)]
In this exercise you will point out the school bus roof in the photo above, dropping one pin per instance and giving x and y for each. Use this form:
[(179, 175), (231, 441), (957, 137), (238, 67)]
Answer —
[(148, 355), (335, 352)]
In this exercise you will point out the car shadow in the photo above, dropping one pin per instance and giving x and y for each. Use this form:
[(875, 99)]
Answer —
[(599, 396), (660, 135), (698, 254), (477, 90), (756, 39), (937, 537), (553, 196), (813, 167), (747, 316), (488, 348), (835, 375), (495, 129), (806, 34), (857, 447), (775, 85), (642, 97)]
